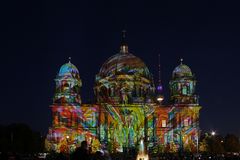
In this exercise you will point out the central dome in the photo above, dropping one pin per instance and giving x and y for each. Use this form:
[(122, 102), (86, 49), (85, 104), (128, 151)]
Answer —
[(124, 78), (124, 63)]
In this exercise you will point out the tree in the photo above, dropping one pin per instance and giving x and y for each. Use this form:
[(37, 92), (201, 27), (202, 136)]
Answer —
[(211, 144), (203, 146), (231, 143), (214, 145), (20, 138)]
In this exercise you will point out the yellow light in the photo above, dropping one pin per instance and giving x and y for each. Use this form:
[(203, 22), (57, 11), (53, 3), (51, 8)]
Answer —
[(142, 157), (160, 98)]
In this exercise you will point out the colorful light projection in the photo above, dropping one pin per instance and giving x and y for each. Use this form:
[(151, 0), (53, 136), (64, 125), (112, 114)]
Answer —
[(124, 78), (125, 91), (68, 84), (72, 122), (126, 109), (122, 126), (182, 86), (185, 130), (77, 123)]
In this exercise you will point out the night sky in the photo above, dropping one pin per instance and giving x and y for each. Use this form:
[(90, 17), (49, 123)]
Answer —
[(37, 37)]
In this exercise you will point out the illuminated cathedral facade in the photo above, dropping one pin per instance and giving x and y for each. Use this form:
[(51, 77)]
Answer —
[(127, 108)]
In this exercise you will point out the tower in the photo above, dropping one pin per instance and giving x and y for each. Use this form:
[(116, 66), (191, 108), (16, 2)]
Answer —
[(159, 88), (63, 135), (68, 84), (182, 86), (184, 116)]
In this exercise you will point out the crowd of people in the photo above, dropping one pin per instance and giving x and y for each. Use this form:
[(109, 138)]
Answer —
[(84, 153), (81, 153)]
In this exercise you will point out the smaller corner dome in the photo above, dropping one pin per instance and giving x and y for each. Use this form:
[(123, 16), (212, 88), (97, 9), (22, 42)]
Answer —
[(182, 70), (68, 69)]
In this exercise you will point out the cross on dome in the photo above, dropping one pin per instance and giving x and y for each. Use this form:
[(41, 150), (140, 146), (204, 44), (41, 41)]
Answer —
[(181, 60), (124, 46)]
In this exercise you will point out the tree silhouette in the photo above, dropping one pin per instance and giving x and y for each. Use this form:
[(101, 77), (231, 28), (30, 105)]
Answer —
[(20, 138), (231, 143)]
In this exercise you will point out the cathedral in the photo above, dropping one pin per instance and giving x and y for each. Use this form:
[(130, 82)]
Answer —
[(127, 108)]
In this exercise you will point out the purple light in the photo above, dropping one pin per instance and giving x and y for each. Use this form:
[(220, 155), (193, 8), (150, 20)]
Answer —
[(159, 87)]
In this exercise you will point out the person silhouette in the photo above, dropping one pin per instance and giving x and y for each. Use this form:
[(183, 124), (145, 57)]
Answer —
[(81, 152)]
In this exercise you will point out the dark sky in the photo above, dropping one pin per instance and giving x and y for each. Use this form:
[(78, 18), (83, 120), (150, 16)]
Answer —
[(37, 37)]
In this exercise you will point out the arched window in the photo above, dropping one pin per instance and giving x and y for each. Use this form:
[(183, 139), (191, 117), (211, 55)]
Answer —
[(164, 123), (184, 90)]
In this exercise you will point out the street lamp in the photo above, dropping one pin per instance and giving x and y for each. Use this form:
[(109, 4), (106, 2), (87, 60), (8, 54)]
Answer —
[(68, 148), (197, 144), (213, 133)]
